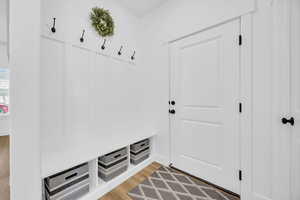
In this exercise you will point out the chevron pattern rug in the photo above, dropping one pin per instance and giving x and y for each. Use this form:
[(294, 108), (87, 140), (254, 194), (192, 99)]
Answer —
[(168, 184)]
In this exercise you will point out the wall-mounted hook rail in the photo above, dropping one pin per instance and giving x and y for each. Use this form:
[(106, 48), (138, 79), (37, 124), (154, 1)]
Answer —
[(133, 56), (53, 29), (120, 51), (103, 45), (82, 36)]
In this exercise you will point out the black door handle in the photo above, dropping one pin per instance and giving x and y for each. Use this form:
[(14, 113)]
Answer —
[(291, 121), (172, 103), (172, 112)]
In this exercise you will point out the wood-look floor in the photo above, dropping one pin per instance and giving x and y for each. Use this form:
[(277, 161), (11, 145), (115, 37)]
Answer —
[(120, 193), (4, 168)]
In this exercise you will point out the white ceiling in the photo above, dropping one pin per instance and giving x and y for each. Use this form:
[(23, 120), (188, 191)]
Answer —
[(141, 7)]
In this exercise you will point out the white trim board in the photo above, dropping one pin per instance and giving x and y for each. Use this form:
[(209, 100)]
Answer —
[(4, 133), (246, 99)]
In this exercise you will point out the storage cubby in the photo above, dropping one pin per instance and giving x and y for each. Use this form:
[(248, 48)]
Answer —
[(69, 184), (113, 164), (102, 174), (139, 151), (105, 185)]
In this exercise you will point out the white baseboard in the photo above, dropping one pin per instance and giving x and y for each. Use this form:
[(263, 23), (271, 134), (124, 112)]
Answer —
[(162, 159)]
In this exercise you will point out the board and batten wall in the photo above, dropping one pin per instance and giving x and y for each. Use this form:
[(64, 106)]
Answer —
[(92, 100), (177, 19)]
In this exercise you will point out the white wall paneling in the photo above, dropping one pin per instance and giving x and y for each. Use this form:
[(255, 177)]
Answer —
[(87, 98), (3, 20), (3, 33), (90, 97), (78, 95), (24, 42), (265, 155), (3, 54), (265, 141), (52, 93), (261, 149), (281, 97)]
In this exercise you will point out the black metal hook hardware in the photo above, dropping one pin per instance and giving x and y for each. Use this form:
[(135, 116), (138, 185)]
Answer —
[(133, 56), (82, 36), (53, 29), (103, 45), (291, 121), (120, 51)]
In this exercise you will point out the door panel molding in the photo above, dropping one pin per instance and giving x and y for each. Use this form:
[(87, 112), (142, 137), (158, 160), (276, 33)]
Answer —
[(208, 62)]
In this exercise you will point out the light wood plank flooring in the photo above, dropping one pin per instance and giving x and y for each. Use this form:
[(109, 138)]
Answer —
[(4, 168), (120, 193)]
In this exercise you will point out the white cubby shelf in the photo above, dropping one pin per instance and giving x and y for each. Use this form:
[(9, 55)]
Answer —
[(99, 187)]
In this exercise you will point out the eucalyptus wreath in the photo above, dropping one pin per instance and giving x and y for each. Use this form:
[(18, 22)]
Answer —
[(102, 22)]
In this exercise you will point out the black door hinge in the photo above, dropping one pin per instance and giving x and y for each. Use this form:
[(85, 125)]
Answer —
[(240, 107), (240, 40), (240, 175)]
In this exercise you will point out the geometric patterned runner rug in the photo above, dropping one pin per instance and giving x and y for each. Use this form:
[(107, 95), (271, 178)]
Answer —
[(168, 184)]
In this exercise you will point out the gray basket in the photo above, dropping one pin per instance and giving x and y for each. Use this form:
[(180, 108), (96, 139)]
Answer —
[(113, 166), (68, 192), (77, 194), (109, 176), (136, 147), (114, 156), (140, 159), (137, 156), (66, 176)]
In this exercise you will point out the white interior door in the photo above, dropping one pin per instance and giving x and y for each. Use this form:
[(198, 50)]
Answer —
[(205, 88), (295, 98)]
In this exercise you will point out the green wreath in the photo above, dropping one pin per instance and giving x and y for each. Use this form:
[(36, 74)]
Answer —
[(102, 22)]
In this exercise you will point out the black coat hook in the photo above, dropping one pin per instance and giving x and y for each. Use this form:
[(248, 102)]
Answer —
[(53, 29), (103, 45), (133, 56), (120, 51), (82, 36)]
